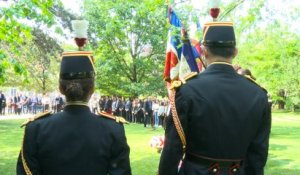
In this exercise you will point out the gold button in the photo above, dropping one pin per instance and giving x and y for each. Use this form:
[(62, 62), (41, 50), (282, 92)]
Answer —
[(215, 170)]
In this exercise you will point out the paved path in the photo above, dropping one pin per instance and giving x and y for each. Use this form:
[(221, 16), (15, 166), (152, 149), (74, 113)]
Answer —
[(16, 117), (286, 119)]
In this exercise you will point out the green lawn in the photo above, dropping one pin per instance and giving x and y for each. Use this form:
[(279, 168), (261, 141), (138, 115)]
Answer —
[(284, 157)]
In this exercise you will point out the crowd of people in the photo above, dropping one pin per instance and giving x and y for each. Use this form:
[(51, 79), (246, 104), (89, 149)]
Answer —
[(29, 104), (150, 111)]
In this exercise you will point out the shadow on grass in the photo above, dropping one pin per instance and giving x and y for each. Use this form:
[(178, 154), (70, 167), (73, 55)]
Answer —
[(9, 124), (278, 147), (138, 129), (285, 132), (8, 161), (283, 172), (278, 166), (276, 162), (145, 166)]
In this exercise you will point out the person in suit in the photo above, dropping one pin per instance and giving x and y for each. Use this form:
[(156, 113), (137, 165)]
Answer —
[(102, 103), (118, 105), (75, 141), (108, 105), (2, 103), (140, 112), (128, 109), (148, 112), (59, 103), (224, 117)]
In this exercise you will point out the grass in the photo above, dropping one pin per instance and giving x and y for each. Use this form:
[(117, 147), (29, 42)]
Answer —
[(143, 158), (284, 155)]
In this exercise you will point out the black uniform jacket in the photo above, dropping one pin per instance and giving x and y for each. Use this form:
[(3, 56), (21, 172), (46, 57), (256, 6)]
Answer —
[(224, 116), (75, 142)]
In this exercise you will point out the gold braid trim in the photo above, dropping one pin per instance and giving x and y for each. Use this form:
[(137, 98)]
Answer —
[(253, 81), (116, 118), (41, 115), (26, 168), (176, 120)]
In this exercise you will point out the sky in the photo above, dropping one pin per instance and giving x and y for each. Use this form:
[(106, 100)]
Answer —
[(73, 5), (279, 7)]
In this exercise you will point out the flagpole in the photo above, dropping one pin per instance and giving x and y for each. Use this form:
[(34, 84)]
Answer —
[(202, 62)]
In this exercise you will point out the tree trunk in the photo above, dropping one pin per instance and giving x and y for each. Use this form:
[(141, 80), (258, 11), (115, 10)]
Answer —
[(44, 82), (134, 74), (281, 102)]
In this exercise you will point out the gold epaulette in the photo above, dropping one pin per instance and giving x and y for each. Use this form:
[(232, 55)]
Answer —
[(116, 118), (253, 81), (177, 83), (38, 116)]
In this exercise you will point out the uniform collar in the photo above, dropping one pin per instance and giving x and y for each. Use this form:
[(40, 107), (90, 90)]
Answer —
[(222, 66), (77, 103), (220, 62), (77, 107)]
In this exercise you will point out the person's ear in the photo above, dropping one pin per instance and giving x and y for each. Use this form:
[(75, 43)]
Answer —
[(61, 90), (205, 52), (93, 90), (236, 51)]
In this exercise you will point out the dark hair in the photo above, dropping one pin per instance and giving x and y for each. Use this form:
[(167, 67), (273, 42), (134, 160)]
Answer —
[(225, 52), (77, 89)]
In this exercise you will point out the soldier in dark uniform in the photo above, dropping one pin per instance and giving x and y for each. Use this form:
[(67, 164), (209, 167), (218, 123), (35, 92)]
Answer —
[(75, 141), (224, 117)]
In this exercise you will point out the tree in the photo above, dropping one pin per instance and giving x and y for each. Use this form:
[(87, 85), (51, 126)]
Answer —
[(268, 48), (39, 62), (128, 39), (18, 18), (275, 62)]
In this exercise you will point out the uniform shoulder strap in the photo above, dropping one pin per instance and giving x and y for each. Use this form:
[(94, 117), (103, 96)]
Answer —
[(177, 123), (253, 81), (112, 117), (38, 116), (189, 76), (177, 83)]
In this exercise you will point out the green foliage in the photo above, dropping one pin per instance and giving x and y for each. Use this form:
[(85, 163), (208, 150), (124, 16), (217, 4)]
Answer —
[(37, 67), (2, 66), (120, 34), (268, 48), (12, 29), (275, 61), (16, 19)]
